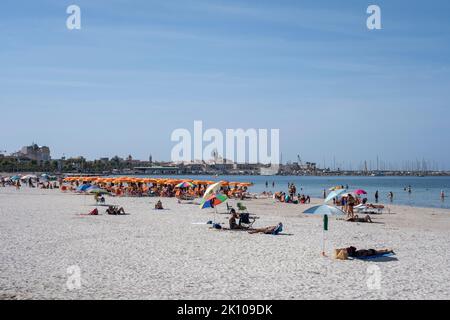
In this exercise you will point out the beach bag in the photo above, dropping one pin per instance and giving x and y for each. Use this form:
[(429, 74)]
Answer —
[(341, 254)]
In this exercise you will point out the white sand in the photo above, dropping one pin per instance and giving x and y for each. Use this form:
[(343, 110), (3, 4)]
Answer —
[(162, 255)]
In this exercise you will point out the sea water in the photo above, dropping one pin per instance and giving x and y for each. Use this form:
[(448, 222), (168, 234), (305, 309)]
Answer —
[(425, 191)]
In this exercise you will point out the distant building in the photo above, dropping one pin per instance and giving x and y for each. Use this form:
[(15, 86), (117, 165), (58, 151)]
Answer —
[(34, 152), (154, 170)]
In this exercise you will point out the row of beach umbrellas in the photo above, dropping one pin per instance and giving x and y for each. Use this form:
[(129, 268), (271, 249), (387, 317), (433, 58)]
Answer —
[(43, 176), (181, 183)]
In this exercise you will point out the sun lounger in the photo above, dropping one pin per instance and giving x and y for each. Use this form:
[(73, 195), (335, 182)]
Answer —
[(367, 209), (246, 221)]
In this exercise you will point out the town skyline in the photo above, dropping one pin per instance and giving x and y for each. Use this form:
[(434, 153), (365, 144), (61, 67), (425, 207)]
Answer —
[(43, 153)]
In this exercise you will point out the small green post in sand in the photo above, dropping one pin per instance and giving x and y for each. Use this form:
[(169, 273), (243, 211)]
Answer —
[(325, 222), (325, 228)]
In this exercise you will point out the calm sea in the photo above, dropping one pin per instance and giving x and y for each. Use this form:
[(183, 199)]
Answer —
[(425, 190)]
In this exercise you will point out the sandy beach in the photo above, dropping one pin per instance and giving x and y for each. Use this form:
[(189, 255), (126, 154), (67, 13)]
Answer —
[(166, 254)]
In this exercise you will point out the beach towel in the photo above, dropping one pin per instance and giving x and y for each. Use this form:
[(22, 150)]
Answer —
[(381, 255)]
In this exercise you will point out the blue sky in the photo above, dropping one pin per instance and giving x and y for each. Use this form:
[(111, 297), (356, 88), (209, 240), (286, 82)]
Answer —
[(137, 70)]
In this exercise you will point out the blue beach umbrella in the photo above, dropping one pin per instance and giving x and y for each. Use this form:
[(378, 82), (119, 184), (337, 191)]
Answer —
[(325, 210), (45, 176), (83, 188), (335, 194), (15, 178)]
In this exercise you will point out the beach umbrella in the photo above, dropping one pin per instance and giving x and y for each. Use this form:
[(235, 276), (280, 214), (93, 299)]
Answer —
[(334, 194), (245, 184), (185, 184), (29, 176), (213, 201), (325, 211), (83, 187), (360, 192), (15, 178), (98, 191), (212, 189)]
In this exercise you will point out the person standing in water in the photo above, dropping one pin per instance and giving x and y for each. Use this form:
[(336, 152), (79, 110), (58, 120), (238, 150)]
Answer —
[(442, 195), (273, 184), (267, 184), (376, 196), (391, 196), (324, 193)]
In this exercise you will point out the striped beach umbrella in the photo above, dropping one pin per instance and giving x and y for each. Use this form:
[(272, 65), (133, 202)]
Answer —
[(185, 184), (213, 201)]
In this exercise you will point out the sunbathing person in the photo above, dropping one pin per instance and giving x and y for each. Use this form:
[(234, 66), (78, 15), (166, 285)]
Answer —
[(114, 210), (374, 206), (353, 252), (159, 205), (358, 219), (275, 230)]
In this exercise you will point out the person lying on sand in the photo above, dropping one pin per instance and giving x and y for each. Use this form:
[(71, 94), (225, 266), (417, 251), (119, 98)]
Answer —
[(269, 230), (114, 210), (353, 252), (357, 219), (159, 205), (374, 206), (94, 212)]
